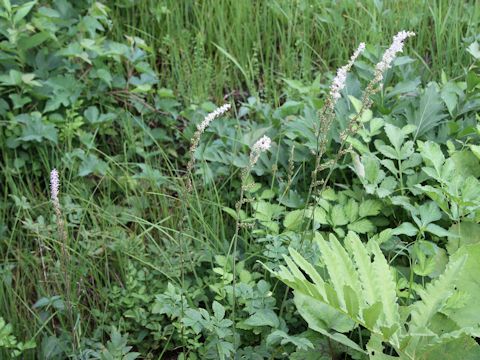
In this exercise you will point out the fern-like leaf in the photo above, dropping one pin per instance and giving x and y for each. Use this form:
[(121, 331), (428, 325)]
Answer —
[(340, 268), (435, 295), (386, 289), (364, 267)]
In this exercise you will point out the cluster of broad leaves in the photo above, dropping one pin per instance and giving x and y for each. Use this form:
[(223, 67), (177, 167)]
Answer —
[(401, 212), (67, 87), (382, 260)]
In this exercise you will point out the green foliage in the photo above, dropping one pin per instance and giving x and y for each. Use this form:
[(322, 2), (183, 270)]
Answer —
[(9, 341), (360, 290), (149, 270)]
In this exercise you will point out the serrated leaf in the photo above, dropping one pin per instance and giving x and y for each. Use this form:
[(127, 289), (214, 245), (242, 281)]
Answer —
[(466, 281), (337, 216), (93, 165), (430, 113), (293, 220), (339, 266), (263, 317), (432, 154), (386, 288), (22, 11), (361, 226), (371, 315), (463, 233), (351, 210), (310, 271), (218, 310), (435, 294), (363, 265), (322, 318), (370, 208), (395, 135), (405, 228), (437, 230)]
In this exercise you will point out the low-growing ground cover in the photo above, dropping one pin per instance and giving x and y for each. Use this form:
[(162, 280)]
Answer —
[(338, 221)]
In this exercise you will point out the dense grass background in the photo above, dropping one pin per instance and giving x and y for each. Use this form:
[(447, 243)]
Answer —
[(213, 48)]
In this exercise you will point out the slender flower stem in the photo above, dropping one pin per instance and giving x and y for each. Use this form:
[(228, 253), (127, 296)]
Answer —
[(183, 198), (262, 145), (63, 238)]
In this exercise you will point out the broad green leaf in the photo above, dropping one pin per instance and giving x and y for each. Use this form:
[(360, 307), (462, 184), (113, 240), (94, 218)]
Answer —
[(466, 282), (337, 216), (475, 150), (474, 49), (463, 233), (22, 11), (429, 212), (405, 228), (321, 317), (386, 288), (361, 226), (437, 230), (466, 164), (27, 43), (375, 349), (364, 267), (351, 210), (218, 310), (406, 86), (370, 208), (387, 150), (352, 302), (93, 165), (395, 135), (371, 315), (263, 317), (435, 295), (430, 113), (293, 220), (464, 348), (318, 215), (36, 129), (432, 154)]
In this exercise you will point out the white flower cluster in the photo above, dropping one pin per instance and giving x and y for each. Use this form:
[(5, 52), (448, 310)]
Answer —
[(262, 144), (338, 82), (212, 116), (391, 53), (54, 185)]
